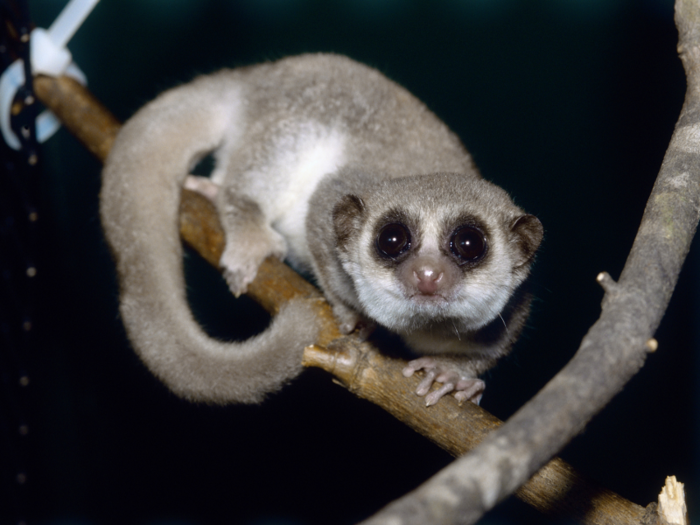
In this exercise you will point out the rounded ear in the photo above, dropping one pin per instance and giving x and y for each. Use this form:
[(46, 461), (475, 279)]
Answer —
[(526, 234), (347, 214)]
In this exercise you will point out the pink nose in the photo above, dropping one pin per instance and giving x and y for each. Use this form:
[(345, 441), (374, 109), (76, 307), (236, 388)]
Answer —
[(428, 280)]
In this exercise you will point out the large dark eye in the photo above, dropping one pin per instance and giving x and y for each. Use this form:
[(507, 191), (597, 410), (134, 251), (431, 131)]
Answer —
[(468, 244), (393, 240)]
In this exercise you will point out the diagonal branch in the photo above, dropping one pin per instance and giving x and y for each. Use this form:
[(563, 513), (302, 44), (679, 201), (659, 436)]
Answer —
[(612, 351)]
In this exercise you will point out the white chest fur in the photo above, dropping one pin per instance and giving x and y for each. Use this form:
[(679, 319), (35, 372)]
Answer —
[(300, 166)]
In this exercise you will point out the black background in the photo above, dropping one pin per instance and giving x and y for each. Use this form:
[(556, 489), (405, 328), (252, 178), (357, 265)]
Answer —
[(568, 104)]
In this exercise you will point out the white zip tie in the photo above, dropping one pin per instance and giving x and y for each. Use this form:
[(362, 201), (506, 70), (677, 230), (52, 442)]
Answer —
[(48, 55)]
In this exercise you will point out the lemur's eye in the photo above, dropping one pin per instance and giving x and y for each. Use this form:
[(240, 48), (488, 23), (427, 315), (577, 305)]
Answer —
[(393, 240), (468, 244)]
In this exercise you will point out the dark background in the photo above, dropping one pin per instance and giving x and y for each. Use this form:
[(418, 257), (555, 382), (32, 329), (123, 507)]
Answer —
[(568, 104)]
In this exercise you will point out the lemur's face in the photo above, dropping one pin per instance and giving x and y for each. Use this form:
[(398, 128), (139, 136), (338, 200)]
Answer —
[(455, 253)]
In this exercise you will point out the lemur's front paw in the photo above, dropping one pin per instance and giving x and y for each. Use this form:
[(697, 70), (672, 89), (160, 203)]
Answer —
[(240, 264), (464, 386), (349, 321), (238, 278)]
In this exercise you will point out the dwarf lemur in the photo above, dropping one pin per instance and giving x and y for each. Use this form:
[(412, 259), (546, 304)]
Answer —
[(329, 164)]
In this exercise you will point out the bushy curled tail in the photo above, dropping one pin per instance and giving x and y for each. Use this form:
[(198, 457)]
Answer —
[(141, 185), (199, 368)]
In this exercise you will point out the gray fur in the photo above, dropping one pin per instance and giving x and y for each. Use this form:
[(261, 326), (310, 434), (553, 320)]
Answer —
[(312, 151)]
